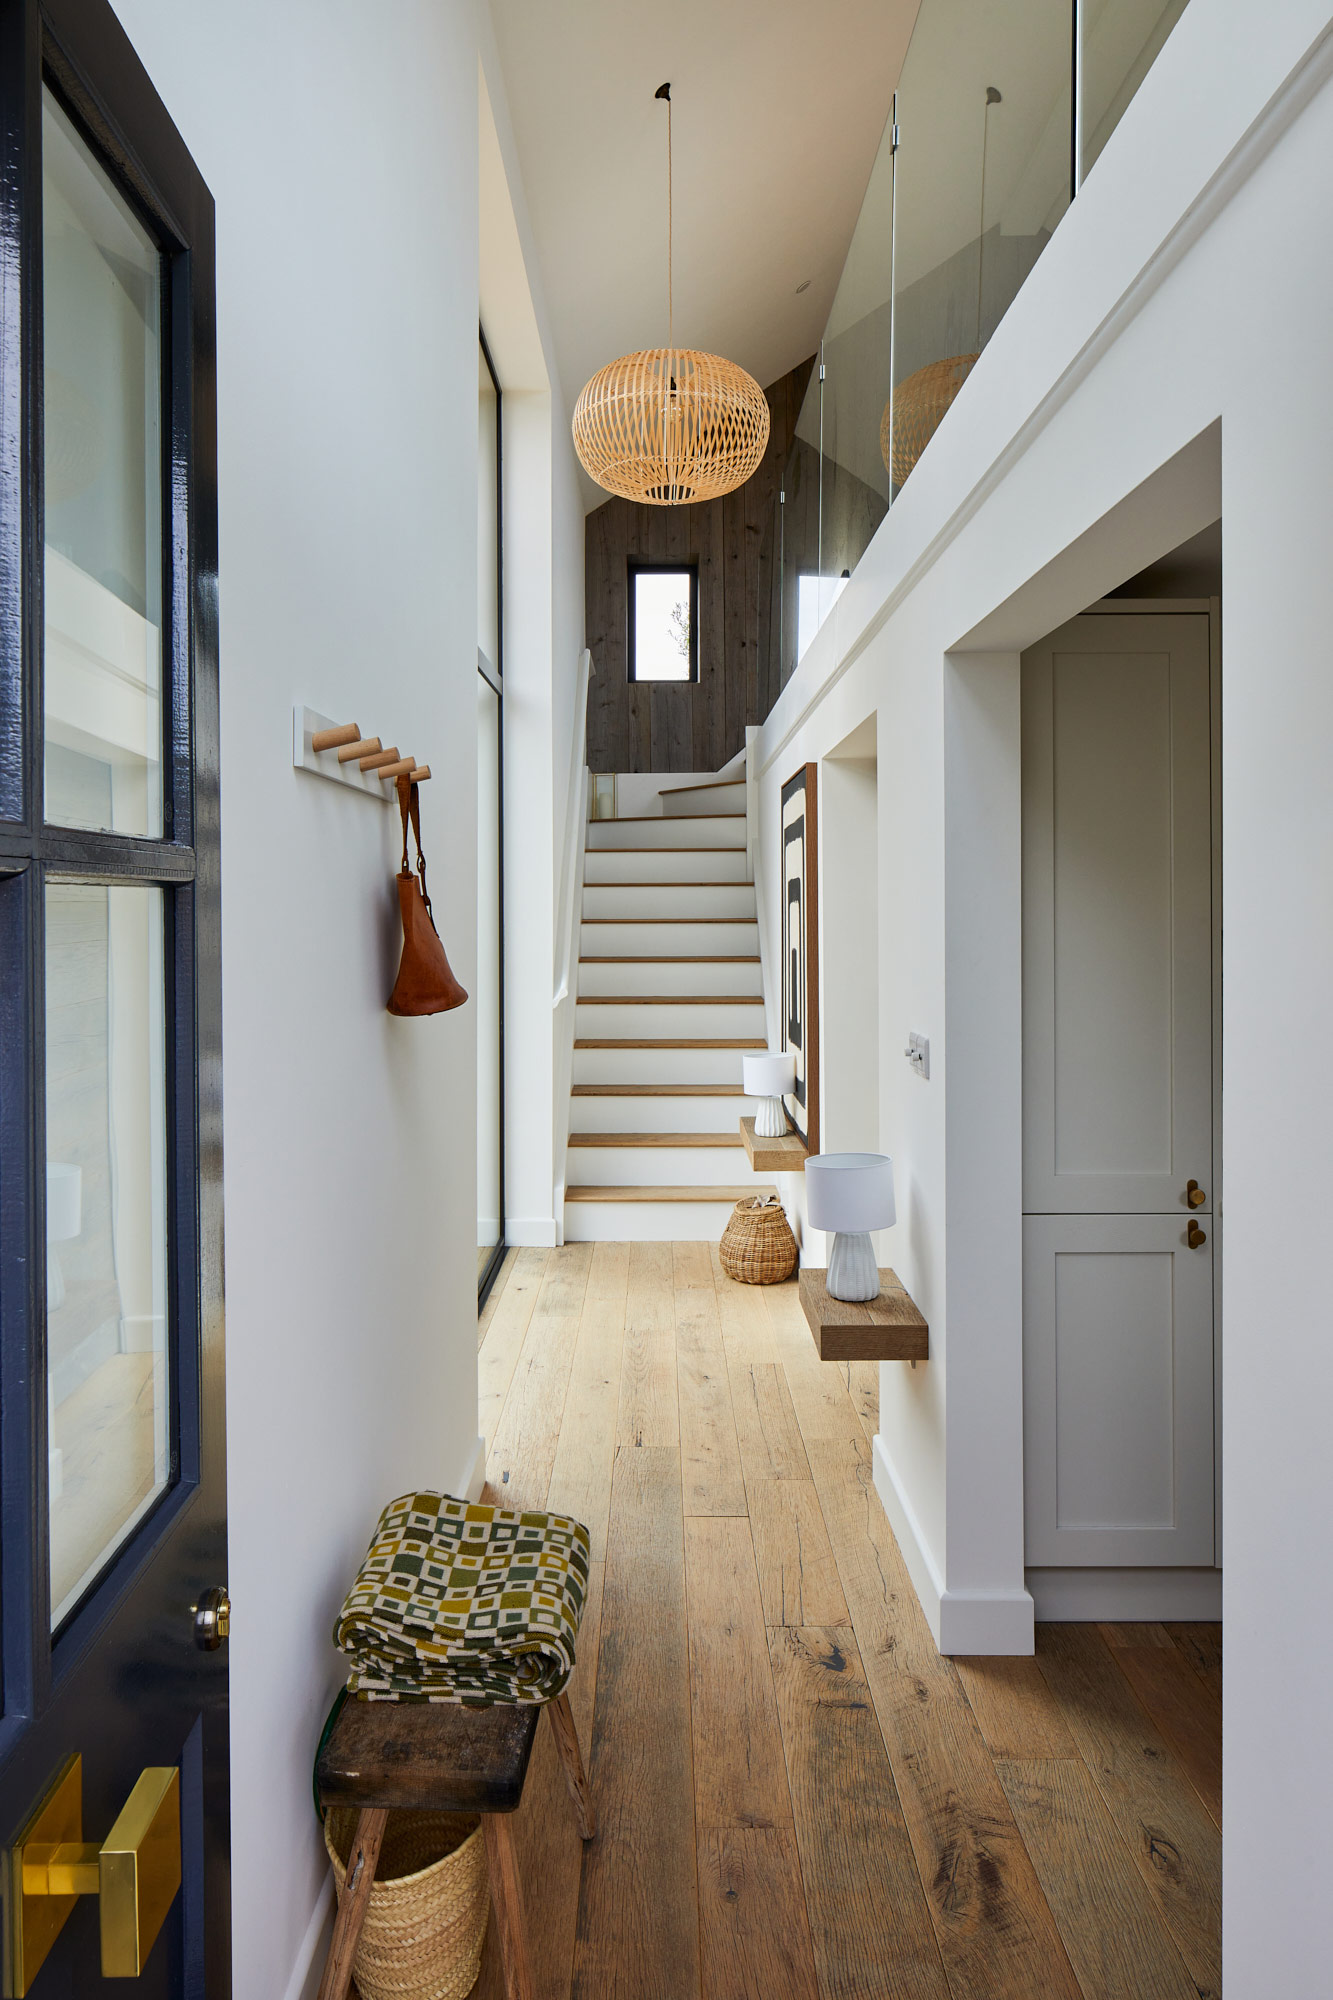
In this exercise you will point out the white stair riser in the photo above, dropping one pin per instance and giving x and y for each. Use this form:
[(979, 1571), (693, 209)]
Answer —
[(657, 1066), (724, 831), (657, 1166), (632, 1022), (649, 976), (728, 797), (660, 1114), (689, 899), (664, 864), (646, 1221), (621, 940)]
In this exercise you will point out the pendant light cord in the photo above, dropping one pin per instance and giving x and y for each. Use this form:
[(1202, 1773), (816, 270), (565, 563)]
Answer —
[(664, 90)]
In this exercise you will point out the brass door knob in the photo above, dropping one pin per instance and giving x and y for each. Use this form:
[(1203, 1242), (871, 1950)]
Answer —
[(212, 1619), (1195, 1236), (134, 1873), (1194, 1194)]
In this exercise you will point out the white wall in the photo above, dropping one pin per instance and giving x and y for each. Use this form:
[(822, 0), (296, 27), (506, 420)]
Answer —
[(341, 145), (1161, 367)]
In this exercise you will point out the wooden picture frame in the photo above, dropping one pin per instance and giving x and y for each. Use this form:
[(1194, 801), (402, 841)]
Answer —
[(799, 888)]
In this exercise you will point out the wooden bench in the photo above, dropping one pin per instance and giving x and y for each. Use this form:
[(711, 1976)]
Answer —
[(389, 1756)]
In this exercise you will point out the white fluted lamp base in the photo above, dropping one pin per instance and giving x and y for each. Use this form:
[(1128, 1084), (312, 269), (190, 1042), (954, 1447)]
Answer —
[(770, 1120), (853, 1269)]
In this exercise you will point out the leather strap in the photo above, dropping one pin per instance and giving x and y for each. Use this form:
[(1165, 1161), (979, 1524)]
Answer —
[(408, 803)]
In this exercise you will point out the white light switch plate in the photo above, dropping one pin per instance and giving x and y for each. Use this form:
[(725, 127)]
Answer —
[(918, 1054)]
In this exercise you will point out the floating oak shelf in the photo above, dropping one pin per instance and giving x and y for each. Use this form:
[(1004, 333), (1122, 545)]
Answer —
[(786, 1155), (888, 1328)]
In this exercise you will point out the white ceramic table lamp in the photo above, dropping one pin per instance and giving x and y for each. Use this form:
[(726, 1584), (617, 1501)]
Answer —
[(850, 1194), (769, 1078)]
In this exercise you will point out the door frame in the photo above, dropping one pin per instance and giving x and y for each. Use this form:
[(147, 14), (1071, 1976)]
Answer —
[(80, 48)]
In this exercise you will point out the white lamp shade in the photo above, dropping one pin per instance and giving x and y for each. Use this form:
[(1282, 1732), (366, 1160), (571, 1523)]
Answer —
[(768, 1075), (850, 1191), (64, 1201)]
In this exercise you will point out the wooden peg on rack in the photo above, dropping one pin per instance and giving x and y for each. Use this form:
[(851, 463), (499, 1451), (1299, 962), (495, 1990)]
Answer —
[(380, 758), (361, 748), (332, 739), (398, 770), (420, 775)]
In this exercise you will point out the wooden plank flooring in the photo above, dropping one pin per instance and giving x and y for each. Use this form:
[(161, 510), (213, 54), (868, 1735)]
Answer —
[(798, 1799)]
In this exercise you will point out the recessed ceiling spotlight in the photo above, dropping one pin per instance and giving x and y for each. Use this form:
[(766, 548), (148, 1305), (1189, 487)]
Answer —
[(804, 286)]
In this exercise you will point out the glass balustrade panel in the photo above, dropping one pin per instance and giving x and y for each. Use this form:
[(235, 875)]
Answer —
[(1121, 41), (983, 177)]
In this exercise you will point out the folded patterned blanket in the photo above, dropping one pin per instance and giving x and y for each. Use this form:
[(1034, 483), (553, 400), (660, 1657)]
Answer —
[(462, 1603)]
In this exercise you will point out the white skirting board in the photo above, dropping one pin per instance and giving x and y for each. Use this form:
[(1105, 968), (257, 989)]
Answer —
[(1129, 1596), (998, 1621)]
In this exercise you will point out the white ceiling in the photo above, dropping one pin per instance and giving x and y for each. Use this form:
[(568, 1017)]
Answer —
[(778, 108)]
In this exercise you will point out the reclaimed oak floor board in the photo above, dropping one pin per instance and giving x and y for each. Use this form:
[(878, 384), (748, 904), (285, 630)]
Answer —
[(585, 1453), (638, 1925), (798, 1578), (1116, 1940), (1176, 1846), (1202, 1647), (522, 1452), (766, 1427), (1017, 1713), (868, 1914), (710, 1460), (649, 1414), (1186, 1711)]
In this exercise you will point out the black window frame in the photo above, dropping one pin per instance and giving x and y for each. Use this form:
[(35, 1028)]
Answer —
[(636, 567), (58, 44)]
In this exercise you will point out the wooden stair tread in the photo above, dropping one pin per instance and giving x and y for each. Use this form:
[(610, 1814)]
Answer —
[(669, 958), (673, 883), (667, 920), (665, 847), (732, 1194), (671, 1042), (656, 1090), (705, 785), (672, 1139), (670, 999), (638, 819)]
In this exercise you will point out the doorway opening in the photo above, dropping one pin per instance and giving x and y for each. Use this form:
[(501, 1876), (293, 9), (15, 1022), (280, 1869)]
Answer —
[(1121, 819)]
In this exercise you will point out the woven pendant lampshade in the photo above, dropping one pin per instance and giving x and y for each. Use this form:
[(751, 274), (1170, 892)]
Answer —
[(671, 424), (668, 425), (916, 410)]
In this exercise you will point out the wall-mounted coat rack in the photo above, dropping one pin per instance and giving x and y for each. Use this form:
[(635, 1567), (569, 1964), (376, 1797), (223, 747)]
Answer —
[(337, 750)]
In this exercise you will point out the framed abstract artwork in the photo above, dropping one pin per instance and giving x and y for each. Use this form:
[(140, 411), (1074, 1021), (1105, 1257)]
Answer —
[(800, 949)]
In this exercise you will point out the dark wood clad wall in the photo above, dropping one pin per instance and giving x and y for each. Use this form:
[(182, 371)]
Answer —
[(645, 726)]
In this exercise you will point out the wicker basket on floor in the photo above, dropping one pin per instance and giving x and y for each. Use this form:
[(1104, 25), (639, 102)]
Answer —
[(429, 1903), (757, 1244)]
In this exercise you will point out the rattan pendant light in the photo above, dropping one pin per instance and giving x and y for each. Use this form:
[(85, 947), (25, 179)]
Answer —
[(917, 407), (668, 424)]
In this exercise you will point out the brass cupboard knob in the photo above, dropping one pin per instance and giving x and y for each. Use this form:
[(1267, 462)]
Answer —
[(1194, 1194), (212, 1619), (1195, 1236)]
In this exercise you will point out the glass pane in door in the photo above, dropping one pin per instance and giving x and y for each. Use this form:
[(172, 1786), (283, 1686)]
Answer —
[(102, 403), (108, 1367), (490, 1216)]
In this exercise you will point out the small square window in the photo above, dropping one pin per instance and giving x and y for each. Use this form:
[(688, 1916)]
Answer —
[(663, 621)]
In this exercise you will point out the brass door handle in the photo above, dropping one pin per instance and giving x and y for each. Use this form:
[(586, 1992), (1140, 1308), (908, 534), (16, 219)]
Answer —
[(1194, 1194), (134, 1873), (1195, 1236), (212, 1618)]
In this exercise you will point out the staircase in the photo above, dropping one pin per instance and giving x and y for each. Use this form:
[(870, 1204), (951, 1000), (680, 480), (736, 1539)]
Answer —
[(669, 999)]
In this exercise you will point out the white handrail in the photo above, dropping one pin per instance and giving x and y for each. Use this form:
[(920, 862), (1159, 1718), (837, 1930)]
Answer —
[(577, 797)]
